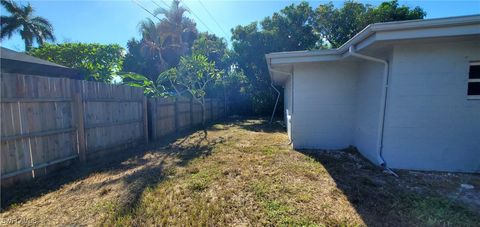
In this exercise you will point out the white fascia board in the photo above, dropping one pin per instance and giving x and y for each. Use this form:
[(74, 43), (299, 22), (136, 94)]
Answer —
[(427, 23), (303, 53), (464, 30), (303, 59)]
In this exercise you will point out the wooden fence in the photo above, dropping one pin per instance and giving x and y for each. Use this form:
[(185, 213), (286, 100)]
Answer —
[(37, 124), (46, 122), (173, 115), (115, 117)]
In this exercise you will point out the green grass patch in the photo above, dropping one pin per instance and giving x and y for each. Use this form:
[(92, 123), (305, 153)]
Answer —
[(271, 197), (203, 178), (434, 211), (281, 214)]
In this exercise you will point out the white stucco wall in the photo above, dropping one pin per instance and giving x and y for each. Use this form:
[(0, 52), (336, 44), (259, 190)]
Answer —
[(430, 123), (324, 105), (287, 104), (367, 108)]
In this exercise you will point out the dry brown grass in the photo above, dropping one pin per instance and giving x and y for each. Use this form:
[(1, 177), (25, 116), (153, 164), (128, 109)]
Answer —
[(245, 174)]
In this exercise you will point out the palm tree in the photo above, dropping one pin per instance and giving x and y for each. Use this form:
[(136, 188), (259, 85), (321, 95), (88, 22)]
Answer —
[(170, 38), (151, 47), (179, 31), (24, 22)]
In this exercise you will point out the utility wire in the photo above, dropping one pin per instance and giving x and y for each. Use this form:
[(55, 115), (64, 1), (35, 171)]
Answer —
[(156, 4), (168, 6), (213, 18), (184, 3), (195, 15), (148, 11)]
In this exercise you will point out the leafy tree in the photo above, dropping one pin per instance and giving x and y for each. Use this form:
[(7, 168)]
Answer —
[(234, 83), (97, 61), (22, 20), (299, 27), (288, 30), (193, 75), (137, 62), (150, 88), (338, 25), (214, 48)]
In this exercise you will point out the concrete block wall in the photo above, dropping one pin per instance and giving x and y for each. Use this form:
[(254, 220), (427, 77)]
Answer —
[(367, 108), (324, 105), (430, 122)]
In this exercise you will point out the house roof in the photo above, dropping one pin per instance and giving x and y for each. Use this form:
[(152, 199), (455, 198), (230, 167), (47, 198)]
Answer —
[(16, 62), (388, 31)]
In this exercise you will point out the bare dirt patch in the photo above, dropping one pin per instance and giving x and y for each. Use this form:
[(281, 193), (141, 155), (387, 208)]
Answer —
[(244, 174)]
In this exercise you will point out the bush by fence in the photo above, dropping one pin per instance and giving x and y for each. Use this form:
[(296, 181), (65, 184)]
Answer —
[(46, 122)]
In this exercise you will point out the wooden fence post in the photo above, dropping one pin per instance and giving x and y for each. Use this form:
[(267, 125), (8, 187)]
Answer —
[(145, 119), (79, 119)]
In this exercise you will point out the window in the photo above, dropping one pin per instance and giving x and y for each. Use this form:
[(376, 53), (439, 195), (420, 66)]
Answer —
[(474, 80)]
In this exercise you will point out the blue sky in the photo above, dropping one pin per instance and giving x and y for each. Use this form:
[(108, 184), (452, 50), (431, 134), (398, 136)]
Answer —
[(115, 21)]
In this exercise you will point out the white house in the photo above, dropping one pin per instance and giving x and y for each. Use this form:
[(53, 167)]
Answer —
[(406, 94)]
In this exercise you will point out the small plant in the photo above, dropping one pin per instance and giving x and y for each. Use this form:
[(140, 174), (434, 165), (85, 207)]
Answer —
[(193, 75)]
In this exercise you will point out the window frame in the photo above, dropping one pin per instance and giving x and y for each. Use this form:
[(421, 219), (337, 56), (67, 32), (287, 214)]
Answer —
[(472, 80)]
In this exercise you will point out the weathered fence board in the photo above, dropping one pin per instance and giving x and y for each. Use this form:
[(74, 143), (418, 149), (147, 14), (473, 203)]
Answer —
[(197, 114), (113, 116), (47, 121), (162, 112), (168, 115), (183, 114), (35, 132)]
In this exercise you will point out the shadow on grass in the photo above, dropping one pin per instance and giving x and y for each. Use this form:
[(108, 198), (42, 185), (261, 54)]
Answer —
[(136, 182), (260, 125), (383, 200)]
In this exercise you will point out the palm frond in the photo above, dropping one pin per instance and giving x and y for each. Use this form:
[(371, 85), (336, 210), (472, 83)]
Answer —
[(147, 28), (165, 28), (160, 11), (28, 10), (43, 33), (43, 22), (41, 30), (6, 20), (189, 25), (11, 6), (8, 26)]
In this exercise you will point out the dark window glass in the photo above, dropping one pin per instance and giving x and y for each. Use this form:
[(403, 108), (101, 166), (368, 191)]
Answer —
[(474, 72), (474, 88)]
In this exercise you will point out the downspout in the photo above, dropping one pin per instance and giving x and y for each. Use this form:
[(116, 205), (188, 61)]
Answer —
[(278, 92), (276, 102), (383, 104)]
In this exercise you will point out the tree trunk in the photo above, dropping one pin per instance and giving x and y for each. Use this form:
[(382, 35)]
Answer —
[(28, 46), (204, 126)]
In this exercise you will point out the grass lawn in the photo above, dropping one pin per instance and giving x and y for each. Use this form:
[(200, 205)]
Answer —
[(244, 174)]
